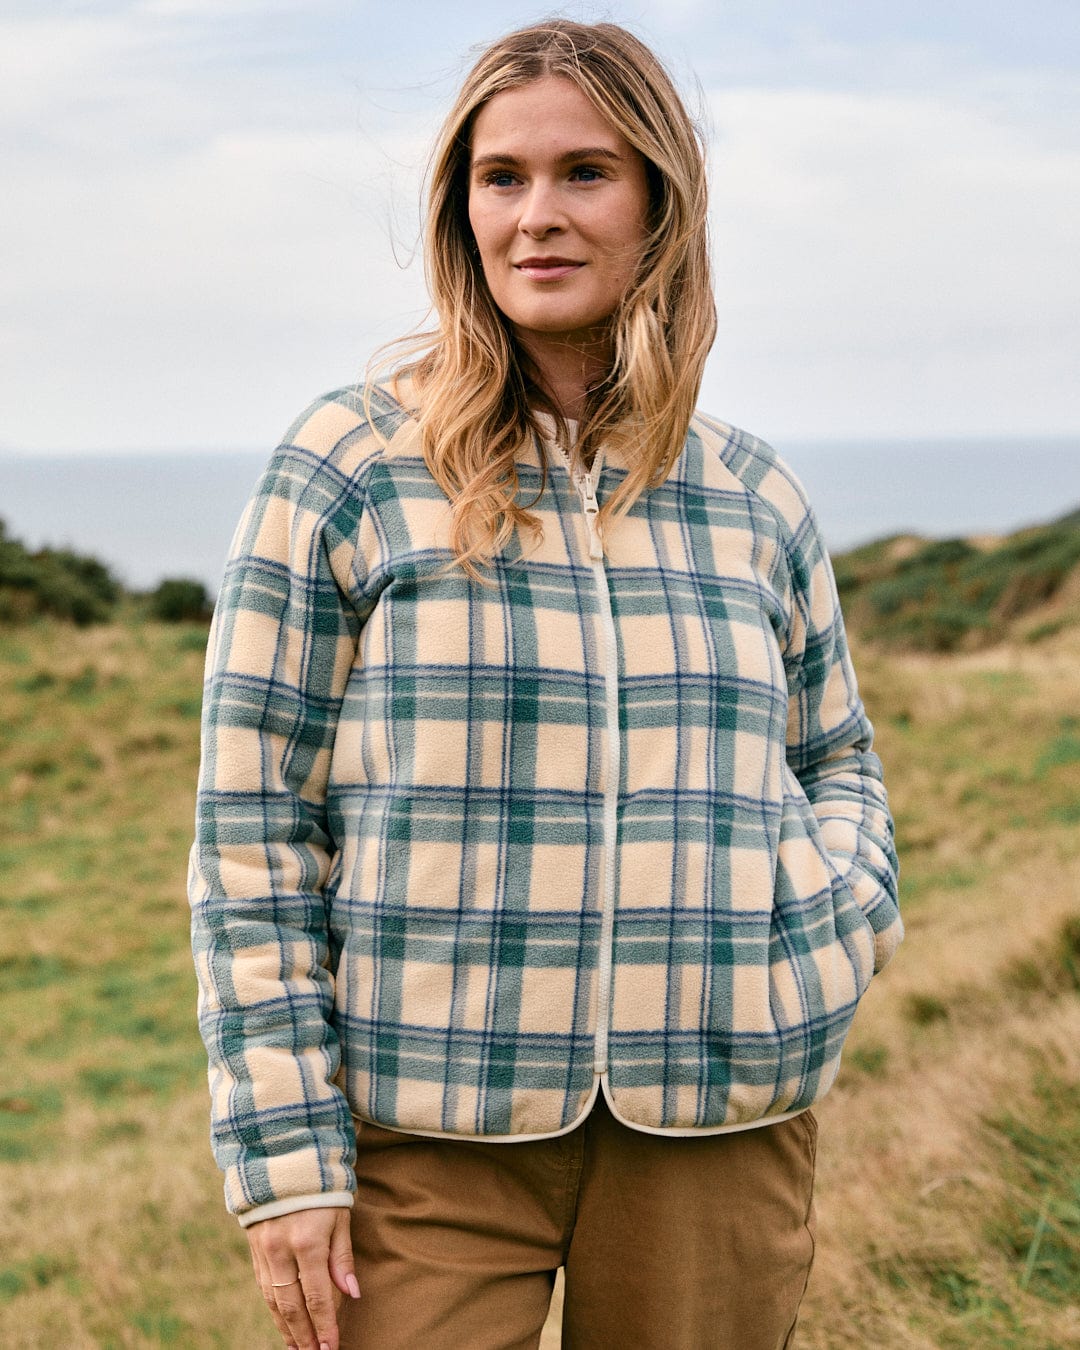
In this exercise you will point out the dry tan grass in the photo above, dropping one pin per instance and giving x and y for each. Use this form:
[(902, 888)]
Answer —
[(913, 1175), (909, 1175)]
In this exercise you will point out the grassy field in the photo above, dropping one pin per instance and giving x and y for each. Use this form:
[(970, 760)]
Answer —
[(949, 1172)]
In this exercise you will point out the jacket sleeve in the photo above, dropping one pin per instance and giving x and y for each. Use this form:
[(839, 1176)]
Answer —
[(829, 739), (282, 644)]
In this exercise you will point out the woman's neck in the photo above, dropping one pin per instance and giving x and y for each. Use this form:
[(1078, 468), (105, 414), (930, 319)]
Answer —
[(567, 371)]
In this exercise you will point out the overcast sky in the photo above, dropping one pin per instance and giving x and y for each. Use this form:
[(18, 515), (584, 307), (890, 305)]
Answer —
[(210, 207)]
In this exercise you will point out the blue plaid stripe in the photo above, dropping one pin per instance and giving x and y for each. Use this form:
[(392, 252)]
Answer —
[(397, 876)]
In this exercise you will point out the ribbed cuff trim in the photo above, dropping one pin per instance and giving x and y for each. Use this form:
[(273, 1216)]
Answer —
[(276, 1208)]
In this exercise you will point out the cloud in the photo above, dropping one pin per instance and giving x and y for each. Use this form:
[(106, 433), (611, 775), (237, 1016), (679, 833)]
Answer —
[(202, 204), (225, 9), (906, 236), (182, 224), (49, 58)]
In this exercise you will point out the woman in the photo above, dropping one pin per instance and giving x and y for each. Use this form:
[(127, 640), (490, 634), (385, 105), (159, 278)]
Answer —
[(542, 856)]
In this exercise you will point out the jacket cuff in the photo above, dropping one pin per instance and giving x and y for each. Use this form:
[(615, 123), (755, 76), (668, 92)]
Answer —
[(276, 1208)]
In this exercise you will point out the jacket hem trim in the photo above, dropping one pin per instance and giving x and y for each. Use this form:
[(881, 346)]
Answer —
[(600, 1080), (274, 1209)]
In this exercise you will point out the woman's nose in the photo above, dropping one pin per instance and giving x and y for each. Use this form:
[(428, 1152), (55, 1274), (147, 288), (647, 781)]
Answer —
[(540, 211)]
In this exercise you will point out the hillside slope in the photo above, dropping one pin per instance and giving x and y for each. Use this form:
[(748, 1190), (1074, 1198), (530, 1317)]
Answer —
[(961, 594)]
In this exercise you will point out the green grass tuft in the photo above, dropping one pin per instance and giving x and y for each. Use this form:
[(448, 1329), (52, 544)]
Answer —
[(37, 1273), (924, 1010), (1041, 1226), (871, 1059), (28, 1119)]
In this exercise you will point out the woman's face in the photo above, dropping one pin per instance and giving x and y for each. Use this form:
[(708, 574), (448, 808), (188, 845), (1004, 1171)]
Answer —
[(558, 203)]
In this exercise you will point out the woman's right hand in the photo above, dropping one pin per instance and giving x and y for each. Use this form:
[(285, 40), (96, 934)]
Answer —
[(304, 1265)]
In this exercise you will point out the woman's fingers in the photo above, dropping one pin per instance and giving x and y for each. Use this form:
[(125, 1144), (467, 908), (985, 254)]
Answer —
[(292, 1256), (269, 1293), (342, 1265), (291, 1299), (320, 1299)]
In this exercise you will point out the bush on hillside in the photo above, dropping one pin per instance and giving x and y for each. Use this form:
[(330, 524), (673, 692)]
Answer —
[(56, 582), (944, 594), (180, 600)]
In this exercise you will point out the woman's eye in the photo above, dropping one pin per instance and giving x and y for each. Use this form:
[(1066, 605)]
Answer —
[(587, 174), (500, 178)]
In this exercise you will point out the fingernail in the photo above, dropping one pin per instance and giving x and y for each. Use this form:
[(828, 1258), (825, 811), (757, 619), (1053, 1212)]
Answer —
[(353, 1287), (323, 1345)]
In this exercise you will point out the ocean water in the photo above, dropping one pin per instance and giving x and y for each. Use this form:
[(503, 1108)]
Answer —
[(155, 515)]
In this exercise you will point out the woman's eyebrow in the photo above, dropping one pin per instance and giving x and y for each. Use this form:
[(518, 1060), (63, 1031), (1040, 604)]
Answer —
[(586, 152)]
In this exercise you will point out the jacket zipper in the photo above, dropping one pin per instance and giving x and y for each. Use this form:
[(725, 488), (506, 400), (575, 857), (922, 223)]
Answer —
[(586, 484)]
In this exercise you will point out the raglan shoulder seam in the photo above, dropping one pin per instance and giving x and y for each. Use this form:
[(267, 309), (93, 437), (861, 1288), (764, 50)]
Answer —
[(727, 442), (375, 416), (735, 440)]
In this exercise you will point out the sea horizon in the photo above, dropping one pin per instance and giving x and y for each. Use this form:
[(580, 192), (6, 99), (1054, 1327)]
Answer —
[(155, 514)]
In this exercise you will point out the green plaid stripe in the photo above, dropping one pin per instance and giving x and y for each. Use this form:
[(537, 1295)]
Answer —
[(397, 877)]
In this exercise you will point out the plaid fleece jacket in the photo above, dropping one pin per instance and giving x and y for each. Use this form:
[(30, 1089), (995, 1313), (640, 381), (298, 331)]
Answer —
[(465, 853)]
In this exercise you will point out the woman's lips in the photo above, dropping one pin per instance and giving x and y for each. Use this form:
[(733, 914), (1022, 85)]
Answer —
[(547, 269)]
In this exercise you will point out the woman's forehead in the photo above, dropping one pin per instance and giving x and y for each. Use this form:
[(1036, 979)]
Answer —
[(545, 115)]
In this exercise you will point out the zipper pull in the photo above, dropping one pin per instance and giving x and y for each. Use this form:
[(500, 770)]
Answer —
[(592, 511), (587, 492)]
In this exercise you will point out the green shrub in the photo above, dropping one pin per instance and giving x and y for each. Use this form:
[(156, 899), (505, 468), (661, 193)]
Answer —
[(58, 582), (945, 594), (942, 628), (940, 553), (180, 600), (890, 596)]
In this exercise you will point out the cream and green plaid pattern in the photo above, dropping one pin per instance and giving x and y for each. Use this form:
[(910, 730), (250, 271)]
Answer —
[(397, 878)]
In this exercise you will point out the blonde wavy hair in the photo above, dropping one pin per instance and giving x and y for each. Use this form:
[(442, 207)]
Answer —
[(474, 387)]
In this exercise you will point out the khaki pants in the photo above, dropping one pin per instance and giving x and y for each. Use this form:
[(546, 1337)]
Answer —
[(667, 1243)]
